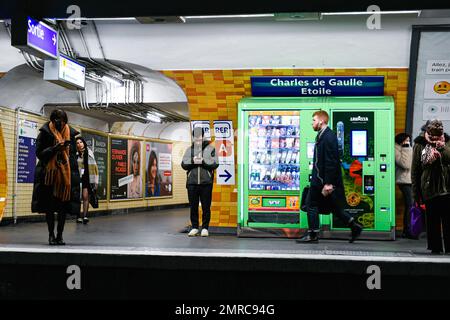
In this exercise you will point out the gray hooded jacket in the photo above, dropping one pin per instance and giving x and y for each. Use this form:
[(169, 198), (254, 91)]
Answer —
[(200, 173)]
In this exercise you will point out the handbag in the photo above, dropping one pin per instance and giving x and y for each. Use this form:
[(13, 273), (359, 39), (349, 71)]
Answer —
[(416, 222), (93, 198), (324, 202)]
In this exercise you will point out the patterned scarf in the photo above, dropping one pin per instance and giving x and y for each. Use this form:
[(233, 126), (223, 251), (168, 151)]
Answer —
[(58, 168), (430, 152)]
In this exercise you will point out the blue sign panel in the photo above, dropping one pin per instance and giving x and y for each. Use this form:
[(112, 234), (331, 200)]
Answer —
[(317, 86), (42, 38), (27, 159)]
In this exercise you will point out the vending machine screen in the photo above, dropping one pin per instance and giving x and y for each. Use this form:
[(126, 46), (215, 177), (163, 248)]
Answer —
[(359, 143)]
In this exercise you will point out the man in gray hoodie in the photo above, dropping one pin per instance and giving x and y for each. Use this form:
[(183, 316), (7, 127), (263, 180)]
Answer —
[(200, 161)]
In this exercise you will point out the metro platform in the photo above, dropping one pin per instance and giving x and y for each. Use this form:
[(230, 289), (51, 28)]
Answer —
[(148, 255)]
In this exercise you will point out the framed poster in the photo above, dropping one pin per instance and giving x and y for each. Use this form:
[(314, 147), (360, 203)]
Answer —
[(134, 184), (429, 77), (119, 168), (158, 169), (99, 145), (126, 169)]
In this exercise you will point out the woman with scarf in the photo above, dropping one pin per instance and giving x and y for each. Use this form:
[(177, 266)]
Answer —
[(56, 178), (89, 176), (430, 174)]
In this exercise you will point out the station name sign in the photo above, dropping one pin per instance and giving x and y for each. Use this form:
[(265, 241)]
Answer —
[(34, 37), (317, 86)]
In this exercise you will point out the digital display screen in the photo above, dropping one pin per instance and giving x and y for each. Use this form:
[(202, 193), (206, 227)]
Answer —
[(359, 143)]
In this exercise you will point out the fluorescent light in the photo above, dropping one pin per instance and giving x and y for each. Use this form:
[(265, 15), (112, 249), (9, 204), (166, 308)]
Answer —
[(98, 19), (153, 118), (368, 13), (113, 81), (231, 16), (158, 114)]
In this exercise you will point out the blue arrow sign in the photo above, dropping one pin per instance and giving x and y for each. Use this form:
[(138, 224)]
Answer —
[(42, 37), (227, 175)]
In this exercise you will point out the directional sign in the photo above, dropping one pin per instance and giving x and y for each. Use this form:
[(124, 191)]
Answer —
[(225, 174), (35, 37), (42, 38)]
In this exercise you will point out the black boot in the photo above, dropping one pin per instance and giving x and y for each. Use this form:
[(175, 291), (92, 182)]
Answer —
[(309, 237), (356, 229), (51, 239), (59, 240)]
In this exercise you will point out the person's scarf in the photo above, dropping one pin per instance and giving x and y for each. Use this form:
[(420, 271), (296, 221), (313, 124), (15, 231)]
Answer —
[(58, 168), (430, 152)]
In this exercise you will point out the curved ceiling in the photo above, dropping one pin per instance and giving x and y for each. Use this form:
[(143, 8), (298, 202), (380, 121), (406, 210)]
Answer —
[(24, 87)]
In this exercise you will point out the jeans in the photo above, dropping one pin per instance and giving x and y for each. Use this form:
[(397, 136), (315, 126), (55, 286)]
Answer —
[(202, 192), (315, 198)]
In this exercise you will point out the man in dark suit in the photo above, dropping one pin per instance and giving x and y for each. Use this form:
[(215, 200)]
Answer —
[(326, 181)]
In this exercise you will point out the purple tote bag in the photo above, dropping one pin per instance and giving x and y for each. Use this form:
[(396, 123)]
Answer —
[(416, 224)]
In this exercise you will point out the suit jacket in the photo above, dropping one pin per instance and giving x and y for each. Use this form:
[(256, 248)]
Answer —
[(327, 165)]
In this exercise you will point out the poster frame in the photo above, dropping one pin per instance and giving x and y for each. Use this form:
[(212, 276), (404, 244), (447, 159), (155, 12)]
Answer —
[(125, 137), (145, 176), (108, 162), (414, 56)]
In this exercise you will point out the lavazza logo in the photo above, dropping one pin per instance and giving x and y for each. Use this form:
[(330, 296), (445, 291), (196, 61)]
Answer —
[(359, 119)]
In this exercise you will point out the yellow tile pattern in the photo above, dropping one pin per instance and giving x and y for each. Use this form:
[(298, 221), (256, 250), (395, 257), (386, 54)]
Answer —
[(214, 94)]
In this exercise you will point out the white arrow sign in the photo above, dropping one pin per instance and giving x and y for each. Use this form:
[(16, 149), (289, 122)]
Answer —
[(54, 39)]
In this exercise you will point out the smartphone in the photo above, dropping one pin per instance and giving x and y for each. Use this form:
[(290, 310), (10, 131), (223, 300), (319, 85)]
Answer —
[(66, 143)]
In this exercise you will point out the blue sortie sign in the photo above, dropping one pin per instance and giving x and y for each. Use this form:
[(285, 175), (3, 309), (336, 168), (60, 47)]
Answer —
[(317, 86), (43, 38)]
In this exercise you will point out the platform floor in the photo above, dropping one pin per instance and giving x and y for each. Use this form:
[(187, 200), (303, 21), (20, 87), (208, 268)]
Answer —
[(160, 231), (122, 256)]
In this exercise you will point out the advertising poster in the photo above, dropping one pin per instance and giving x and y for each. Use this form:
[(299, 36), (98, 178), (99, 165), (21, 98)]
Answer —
[(99, 146), (134, 182), (158, 169), (119, 168), (355, 133), (28, 132)]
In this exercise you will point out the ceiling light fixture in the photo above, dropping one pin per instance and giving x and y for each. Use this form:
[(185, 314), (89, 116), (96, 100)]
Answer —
[(153, 118), (368, 13), (113, 81), (231, 16)]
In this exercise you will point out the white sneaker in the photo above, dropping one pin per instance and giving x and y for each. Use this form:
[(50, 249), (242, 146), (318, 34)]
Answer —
[(205, 233), (193, 233)]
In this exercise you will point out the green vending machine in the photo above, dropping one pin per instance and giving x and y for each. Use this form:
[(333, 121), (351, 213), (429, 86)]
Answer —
[(275, 158)]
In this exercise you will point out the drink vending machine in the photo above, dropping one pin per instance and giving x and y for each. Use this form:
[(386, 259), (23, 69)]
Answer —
[(275, 158)]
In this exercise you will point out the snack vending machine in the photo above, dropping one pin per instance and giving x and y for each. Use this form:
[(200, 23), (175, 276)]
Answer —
[(275, 154)]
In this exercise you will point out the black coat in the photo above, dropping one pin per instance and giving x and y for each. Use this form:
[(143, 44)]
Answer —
[(327, 165), (43, 200)]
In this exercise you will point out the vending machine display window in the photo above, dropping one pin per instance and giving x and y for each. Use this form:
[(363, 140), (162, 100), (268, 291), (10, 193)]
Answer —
[(359, 143), (274, 152)]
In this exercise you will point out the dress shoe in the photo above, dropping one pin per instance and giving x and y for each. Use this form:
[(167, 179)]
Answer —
[(310, 237), (51, 240), (356, 231)]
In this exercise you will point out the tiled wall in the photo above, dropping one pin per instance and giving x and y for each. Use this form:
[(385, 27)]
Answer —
[(214, 94), (24, 190)]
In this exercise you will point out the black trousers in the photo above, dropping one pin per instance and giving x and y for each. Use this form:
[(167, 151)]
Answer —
[(438, 223), (408, 201), (50, 217), (202, 193), (335, 202)]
